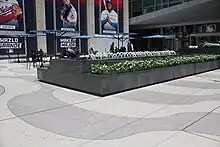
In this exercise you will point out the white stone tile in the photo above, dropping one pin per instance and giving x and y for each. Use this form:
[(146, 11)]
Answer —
[(16, 133), (72, 97), (120, 107), (183, 139), (205, 106), (214, 137), (14, 87), (148, 139), (182, 90)]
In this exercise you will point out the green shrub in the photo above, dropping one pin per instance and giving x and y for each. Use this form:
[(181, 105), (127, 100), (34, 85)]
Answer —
[(137, 65)]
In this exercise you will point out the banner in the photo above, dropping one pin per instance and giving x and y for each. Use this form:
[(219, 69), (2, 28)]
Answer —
[(207, 28), (67, 43), (64, 43), (67, 13), (11, 45), (109, 16), (11, 15)]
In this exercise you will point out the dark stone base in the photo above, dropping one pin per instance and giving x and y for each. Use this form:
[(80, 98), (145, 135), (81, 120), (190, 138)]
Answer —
[(199, 51), (75, 75)]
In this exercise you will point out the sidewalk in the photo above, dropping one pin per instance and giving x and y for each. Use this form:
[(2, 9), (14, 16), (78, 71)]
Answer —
[(180, 113)]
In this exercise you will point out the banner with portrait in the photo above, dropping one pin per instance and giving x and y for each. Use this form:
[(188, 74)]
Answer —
[(67, 13), (11, 15), (108, 16), (11, 45)]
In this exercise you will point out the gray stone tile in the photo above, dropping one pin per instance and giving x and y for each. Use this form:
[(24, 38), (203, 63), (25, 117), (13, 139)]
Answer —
[(171, 123), (32, 78), (196, 99), (208, 125), (75, 122), (23, 71), (34, 102), (193, 84), (150, 96), (165, 98)]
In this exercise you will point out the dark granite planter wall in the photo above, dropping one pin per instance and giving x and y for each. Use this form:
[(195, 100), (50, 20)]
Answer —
[(75, 75), (199, 51)]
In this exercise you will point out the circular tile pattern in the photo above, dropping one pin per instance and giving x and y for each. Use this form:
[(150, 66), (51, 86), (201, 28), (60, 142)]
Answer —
[(2, 90), (72, 121)]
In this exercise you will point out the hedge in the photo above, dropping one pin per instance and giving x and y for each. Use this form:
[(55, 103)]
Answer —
[(137, 65)]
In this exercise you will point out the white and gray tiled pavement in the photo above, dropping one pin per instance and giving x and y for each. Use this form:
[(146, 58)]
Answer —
[(180, 113)]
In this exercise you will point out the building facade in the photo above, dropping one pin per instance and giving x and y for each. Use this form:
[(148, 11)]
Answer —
[(191, 21), (75, 17)]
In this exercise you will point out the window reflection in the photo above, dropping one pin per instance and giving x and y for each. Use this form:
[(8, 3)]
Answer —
[(139, 7)]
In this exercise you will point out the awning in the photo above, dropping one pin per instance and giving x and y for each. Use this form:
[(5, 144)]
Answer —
[(160, 37), (25, 35), (102, 36)]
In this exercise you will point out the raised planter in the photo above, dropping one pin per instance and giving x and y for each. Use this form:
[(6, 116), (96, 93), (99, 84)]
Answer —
[(75, 75), (199, 51)]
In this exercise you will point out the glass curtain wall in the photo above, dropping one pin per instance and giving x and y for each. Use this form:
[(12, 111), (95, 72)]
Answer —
[(139, 7), (148, 6), (135, 8)]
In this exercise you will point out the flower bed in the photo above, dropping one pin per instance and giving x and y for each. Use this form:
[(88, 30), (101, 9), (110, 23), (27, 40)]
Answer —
[(122, 55), (134, 65)]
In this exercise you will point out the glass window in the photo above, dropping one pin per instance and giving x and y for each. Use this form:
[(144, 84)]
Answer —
[(136, 8), (174, 2), (148, 6), (139, 7), (160, 4)]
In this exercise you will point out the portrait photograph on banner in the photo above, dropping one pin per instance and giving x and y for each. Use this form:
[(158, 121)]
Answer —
[(67, 15), (11, 15), (109, 16)]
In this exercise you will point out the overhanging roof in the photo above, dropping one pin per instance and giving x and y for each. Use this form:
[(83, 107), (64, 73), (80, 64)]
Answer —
[(193, 12)]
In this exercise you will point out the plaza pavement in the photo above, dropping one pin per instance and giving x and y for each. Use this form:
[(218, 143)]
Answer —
[(180, 113)]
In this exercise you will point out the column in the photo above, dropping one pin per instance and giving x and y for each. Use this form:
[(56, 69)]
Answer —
[(90, 20), (41, 24), (126, 16)]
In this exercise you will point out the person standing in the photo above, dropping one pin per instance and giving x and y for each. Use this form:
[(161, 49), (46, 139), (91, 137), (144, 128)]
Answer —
[(129, 47), (112, 47)]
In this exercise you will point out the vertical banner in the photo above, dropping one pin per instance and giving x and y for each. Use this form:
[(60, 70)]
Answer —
[(11, 15), (68, 18), (67, 13), (11, 45), (108, 16)]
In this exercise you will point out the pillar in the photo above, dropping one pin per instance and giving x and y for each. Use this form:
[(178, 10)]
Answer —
[(126, 16), (41, 24), (90, 20)]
